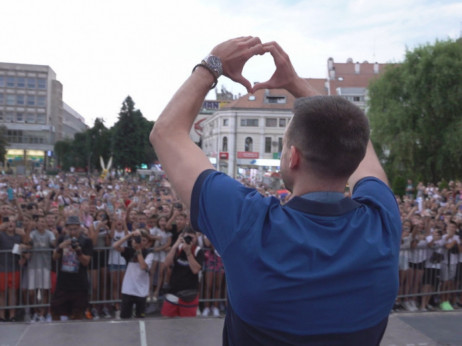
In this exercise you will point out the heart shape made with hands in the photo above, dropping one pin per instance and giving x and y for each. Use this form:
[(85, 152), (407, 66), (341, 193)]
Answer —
[(257, 66)]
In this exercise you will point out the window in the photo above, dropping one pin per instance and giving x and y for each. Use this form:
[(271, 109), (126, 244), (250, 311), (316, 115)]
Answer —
[(225, 122), (19, 99), (267, 144), (249, 122), (249, 144), (2, 81), (30, 118), (20, 117), (20, 82), (9, 117), (30, 100), (41, 101), (10, 82), (282, 122), (31, 83), (42, 84), (276, 99), (279, 144), (271, 122), (1, 99), (225, 144), (11, 100), (356, 98), (41, 119), (1, 116)]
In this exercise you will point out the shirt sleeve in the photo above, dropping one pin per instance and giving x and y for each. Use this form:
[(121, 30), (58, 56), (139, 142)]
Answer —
[(221, 206)]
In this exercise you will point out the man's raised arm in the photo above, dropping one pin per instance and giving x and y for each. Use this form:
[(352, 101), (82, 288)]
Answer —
[(181, 159)]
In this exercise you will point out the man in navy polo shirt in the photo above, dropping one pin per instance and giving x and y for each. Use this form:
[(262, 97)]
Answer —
[(320, 270)]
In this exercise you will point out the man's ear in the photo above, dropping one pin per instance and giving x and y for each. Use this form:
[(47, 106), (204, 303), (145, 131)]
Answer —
[(294, 157)]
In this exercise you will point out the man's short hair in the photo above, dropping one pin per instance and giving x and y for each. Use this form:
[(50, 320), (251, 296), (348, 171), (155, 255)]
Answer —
[(331, 133)]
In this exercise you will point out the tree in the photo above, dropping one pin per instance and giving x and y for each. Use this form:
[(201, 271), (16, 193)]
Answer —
[(3, 142), (415, 110), (130, 140)]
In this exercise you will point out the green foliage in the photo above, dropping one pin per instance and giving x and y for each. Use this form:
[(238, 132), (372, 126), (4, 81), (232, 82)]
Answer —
[(130, 138), (415, 112), (127, 141), (398, 185), (3, 143)]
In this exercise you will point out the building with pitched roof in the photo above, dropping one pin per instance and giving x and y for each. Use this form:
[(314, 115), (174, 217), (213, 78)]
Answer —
[(244, 137)]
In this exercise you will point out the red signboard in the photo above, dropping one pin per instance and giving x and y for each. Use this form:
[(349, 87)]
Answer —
[(247, 155), (224, 155)]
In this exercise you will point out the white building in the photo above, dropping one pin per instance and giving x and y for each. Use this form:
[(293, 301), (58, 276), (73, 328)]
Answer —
[(245, 137)]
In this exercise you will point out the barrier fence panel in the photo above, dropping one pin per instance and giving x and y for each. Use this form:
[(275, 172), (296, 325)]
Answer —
[(427, 278)]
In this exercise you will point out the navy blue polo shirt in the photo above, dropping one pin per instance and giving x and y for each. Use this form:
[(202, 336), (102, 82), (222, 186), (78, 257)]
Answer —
[(308, 272)]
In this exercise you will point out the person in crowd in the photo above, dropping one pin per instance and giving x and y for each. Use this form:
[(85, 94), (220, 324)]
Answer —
[(450, 243), (432, 268), (417, 257), (294, 260), (116, 262), (186, 259), (214, 279), (73, 254), (11, 261), (160, 252), (135, 285), (42, 240), (404, 270), (99, 233)]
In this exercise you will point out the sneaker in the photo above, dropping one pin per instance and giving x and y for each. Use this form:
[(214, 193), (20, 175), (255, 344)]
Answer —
[(205, 312), (95, 314), (117, 314), (446, 306), (35, 318), (88, 315), (409, 306), (106, 313), (430, 307), (413, 306), (423, 310), (64, 318), (215, 312), (41, 318), (48, 318)]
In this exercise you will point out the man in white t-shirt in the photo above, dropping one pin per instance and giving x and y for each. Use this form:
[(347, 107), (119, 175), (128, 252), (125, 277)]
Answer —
[(135, 286)]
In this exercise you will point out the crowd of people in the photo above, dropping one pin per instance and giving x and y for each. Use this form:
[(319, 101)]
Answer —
[(117, 243), (124, 243)]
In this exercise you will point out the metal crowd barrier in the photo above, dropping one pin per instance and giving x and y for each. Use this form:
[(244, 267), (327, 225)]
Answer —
[(105, 286)]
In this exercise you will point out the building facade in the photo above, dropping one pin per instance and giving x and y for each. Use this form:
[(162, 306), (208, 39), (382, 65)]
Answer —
[(34, 114), (351, 79), (244, 138)]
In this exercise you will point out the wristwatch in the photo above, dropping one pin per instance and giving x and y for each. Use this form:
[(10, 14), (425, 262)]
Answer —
[(213, 63)]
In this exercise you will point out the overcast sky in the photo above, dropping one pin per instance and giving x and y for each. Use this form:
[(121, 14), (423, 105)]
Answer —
[(104, 50)]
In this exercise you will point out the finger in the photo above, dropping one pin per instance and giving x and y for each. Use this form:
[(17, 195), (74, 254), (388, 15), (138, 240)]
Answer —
[(264, 85), (240, 79), (252, 41)]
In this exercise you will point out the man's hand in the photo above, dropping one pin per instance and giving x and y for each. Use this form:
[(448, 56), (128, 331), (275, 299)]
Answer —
[(234, 54), (285, 76)]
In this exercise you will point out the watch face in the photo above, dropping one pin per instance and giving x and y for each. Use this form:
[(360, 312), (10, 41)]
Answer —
[(214, 62)]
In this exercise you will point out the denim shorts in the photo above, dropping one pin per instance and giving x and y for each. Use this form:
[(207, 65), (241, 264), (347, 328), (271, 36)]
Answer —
[(116, 267)]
